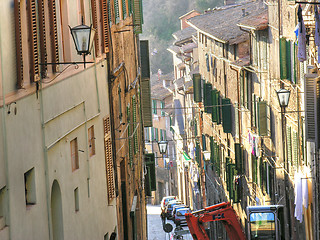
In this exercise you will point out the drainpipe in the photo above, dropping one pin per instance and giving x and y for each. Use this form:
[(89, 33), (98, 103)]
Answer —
[(45, 157), (5, 146)]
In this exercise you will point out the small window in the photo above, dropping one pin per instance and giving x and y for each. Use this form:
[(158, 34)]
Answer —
[(30, 187), (91, 138), (74, 154), (76, 199)]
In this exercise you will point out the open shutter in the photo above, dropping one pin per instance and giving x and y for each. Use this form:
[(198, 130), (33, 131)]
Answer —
[(116, 10), (254, 160), (226, 115), (311, 106), (263, 118), (214, 101), (283, 58), (105, 18), (198, 153), (207, 62), (137, 16), (295, 149), (54, 34), (130, 139), (288, 59), (95, 26), (18, 32), (151, 170), (124, 9), (108, 158), (207, 100), (211, 150), (33, 40), (42, 35), (197, 96), (219, 113), (135, 125), (239, 157), (236, 121), (289, 145)]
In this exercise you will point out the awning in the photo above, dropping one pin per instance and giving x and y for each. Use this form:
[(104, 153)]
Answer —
[(186, 157)]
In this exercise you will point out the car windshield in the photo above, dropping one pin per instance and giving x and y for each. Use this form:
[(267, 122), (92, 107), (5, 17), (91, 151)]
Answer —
[(183, 211), (262, 226)]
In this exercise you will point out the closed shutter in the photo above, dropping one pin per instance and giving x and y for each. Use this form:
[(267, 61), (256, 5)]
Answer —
[(263, 118), (137, 16), (124, 9), (18, 32), (218, 158), (33, 40), (152, 134), (156, 133), (211, 150), (207, 100), (226, 115), (311, 106), (289, 146), (108, 158), (254, 111), (198, 153), (130, 7), (254, 168), (116, 11), (219, 107), (283, 58), (54, 34), (208, 63), (239, 157), (197, 96), (42, 36), (146, 102), (204, 143), (151, 170), (106, 19), (95, 26)]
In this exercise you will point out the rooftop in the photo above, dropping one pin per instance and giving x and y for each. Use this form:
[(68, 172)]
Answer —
[(215, 23)]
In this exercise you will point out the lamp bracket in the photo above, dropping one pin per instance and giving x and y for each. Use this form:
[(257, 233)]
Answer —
[(65, 63)]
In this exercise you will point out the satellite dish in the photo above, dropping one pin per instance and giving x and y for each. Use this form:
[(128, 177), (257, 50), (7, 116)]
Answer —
[(167, 227)]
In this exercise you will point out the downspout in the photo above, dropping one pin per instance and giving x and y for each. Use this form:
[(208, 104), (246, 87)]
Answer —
[(45, 157), (5, 144)]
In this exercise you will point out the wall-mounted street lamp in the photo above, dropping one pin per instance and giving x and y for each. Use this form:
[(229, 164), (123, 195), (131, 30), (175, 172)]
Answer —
[(283, 97), (207, 155), (83, 36), (163, 147)]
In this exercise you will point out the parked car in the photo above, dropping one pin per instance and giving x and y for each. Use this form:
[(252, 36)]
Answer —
[(169, 208), (180, 218), (165, 201), (175, 208)]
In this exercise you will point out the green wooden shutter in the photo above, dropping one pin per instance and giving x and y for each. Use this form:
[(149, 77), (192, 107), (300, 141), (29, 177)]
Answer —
[(151, 168), (152, 134), (242, 87), (207, 99), (239, 157), (289, 145), (207, 63), (195, 128), (204, 144), (145, 61), (130, 7), (263, 118), (124, 9), (137, 16), (162, 105), (294, 64), (164, 135), (161, 135), (156, 134), (288, 59), (214, 104), (283, 58), (219, 108), (254, 111), (198, 153), (218, 159), (116, 11), (212, 150), (129, 135), (236, 120), (154, 106), (109, 12), (134, 119), (197, 96), (226, 115), (295, 149)]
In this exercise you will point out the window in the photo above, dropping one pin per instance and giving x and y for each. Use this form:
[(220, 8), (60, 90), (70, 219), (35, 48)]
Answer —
[(74, 154), (162, 106), (91, 139), (154, 106), (76, 199), (30, 187), (147, 134)]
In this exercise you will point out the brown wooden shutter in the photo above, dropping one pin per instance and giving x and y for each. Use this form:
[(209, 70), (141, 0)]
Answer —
[(42, 31), (108, 158), (53, 34), (95, 26), (33, 40), (18, 30), (105, 26)]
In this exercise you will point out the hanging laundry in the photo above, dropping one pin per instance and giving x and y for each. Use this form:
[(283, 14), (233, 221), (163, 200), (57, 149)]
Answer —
[(298, 201), (302, 39)]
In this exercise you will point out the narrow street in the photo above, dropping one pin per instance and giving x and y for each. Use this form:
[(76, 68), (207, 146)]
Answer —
[(155, 229)]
